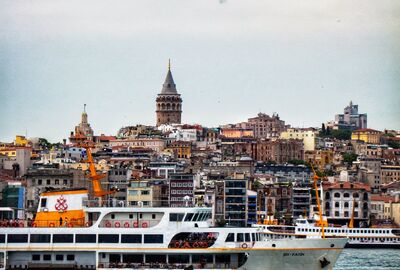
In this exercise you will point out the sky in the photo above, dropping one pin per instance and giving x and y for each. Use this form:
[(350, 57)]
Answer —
[(304, 60)]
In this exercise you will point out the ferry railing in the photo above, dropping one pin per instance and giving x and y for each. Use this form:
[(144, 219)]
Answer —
[(44, 223), (121, 204), (164, 265)]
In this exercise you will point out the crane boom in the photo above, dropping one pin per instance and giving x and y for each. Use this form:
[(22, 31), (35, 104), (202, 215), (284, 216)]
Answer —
[(94, 176)]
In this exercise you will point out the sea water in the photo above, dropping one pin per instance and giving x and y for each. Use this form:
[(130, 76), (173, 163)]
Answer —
[(369, 259)]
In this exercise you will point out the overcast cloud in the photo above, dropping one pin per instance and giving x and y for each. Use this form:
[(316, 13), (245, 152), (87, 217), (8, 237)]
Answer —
[(302, 59)]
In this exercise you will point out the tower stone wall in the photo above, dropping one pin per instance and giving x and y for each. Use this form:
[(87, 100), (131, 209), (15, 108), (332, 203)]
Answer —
[(168, 103)]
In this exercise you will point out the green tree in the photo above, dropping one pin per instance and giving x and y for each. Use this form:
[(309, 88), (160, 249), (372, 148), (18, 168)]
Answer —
[(297, 162), (394, 144), (349, 157), (44, 144), (341, 134), (323, 129)]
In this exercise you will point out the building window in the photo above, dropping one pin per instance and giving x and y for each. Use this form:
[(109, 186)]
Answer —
[(336, 213), (48, 182), (337, 195)]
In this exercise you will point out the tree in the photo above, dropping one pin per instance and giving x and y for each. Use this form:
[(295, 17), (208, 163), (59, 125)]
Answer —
[(349, 157), (328, 131), (341, 134), (296, 162), (323, 130), (44, 144), (394, 144)]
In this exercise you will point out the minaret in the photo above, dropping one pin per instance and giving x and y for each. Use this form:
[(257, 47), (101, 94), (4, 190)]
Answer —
[(168, 102), (84, 115)]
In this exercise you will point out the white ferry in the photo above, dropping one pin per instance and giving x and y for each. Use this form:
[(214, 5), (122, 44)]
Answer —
[(69, 233), (358, 237)]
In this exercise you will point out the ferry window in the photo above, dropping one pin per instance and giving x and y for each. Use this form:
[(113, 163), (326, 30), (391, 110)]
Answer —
[(70, 257), (35, 257), (239, 237), (189, 217), (156, 258), (112, 216), (230, 237), (175, 217), (153, 216), (108, 238), (132, 258), (17, 238), (43, 202), (247, 237), (59, 257), (153, 238), (63, 238), (131, 238), (202, 258), (130, 216), (2, 238), (196, 216), (40, 238), (178, 258), (140, 215), (47, 257), (85, 238), (223, 258), (253, 237)]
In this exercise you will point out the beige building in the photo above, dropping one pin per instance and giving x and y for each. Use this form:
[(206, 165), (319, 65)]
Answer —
[(321, 158), (139, 193), (390, 173), (265, 126), (308, 135), (155, 144), (395, 212), (378, 206)]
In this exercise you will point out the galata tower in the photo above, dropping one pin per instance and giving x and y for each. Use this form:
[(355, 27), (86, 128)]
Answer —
[(168, 102)]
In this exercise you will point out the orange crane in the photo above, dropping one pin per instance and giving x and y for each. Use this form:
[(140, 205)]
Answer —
[(320, 222), (351, 223), (94, 176)]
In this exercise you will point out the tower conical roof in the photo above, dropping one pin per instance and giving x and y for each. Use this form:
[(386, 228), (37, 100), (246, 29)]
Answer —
[(169, 87)]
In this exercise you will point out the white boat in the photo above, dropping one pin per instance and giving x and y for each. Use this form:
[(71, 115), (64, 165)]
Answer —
[(358, 237), (147, 238)]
